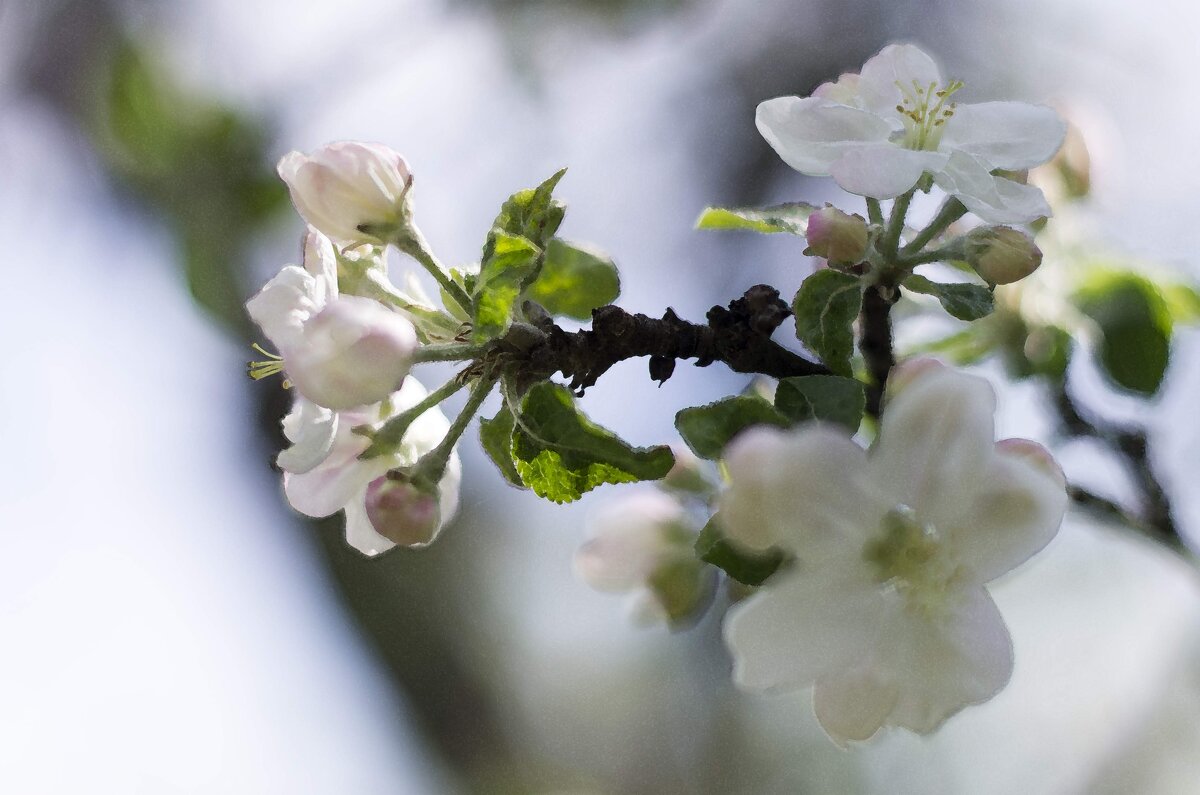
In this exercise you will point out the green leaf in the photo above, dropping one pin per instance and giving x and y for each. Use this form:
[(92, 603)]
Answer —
[(748, 567), (496, 437), (1183, 302), (561, 454), (707, 429), (532, 213), (513, 259), (962, 300), (574, 280), (791, 217), (829, 398), (1135, 326), (826, 306)]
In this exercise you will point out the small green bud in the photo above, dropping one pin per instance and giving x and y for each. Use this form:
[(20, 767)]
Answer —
[(1001, 254), (839, 237)]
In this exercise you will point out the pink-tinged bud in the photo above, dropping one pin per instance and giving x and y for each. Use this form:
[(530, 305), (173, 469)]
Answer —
[(402, 513), (354, 352), (1001, 254), (908, 371), (839, 237), (1034, 454), (351, 191)]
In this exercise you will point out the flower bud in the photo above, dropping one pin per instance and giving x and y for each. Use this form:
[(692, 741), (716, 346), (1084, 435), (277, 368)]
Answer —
[(837, 236), (351, 191), (642, 545), (354, 352), (687, 475), (402, 513), (1001, 254)]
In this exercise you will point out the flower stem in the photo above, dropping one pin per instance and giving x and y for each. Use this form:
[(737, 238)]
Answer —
[(416, 247), (891, 238), (387, 439), (950, 211), (429, 470), (874, 211), (448, 352)]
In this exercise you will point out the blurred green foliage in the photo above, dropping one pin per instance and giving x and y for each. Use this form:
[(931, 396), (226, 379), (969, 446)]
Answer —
[(199, 164)]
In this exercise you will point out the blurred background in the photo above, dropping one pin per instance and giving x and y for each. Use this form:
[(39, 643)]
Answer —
[(169, 626)]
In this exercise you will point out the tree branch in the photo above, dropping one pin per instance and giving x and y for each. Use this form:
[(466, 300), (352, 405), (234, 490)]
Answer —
[(739, 336)]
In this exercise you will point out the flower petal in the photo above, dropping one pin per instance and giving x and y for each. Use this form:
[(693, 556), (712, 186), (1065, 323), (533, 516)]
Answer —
[(284, 303), (320, 260), (806, 490), (805, 625), (853, 703), (1015, 510), (882, 171), (360, 533), (311, 430), (811, 134), (944, 660), (903, 64), (935, 443), (1009, 135), (994, 199)]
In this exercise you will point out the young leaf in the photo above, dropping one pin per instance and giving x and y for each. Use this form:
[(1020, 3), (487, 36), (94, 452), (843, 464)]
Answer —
[(707, 429), (513, 259), (1135, 326), (561, 454), (962, 300), (746, 566), (574, 280), (829, 398), (531, 213), (792, 218), (826, 306), (496, 437)]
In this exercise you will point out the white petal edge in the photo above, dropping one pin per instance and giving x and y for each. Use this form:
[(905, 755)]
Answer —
[(935, 442), (944, 663), (806, 490), (1008, 135), (811, 134), (1013, 513), (883, 171), (994, 199), (311, 429), (854, 703), (895, 63), (803, 625)]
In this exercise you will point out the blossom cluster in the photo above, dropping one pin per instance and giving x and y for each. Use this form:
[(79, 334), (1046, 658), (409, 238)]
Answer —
[(346, 341)]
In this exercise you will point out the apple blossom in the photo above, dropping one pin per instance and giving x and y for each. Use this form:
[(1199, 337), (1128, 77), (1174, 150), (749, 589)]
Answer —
[(876, 133), (338, 351), (351, 191), (886, 610), (343, 482), (641, 544)]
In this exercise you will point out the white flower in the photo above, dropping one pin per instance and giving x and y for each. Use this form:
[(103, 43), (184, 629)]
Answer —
[(338, 351), (885, 609), (876, 133), (351, 191), (641, 544), (341, 480)]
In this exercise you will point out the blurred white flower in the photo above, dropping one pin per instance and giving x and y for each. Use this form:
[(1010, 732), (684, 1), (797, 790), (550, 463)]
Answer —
[(341, 481), (338, 351), (351, 191), (886, 609), (642, 544), (876, 133)]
